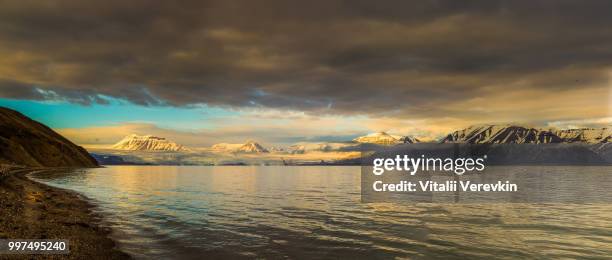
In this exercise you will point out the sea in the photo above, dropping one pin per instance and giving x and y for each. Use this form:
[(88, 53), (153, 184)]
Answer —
[(316, 212)]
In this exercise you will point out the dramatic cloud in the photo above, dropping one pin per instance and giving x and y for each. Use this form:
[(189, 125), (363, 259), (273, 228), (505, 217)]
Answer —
[(462, 60)]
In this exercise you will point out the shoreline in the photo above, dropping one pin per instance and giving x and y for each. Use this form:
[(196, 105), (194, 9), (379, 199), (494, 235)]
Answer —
[(33, 210)]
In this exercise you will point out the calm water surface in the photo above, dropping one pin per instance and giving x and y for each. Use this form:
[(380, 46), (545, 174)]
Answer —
[(315, 212)]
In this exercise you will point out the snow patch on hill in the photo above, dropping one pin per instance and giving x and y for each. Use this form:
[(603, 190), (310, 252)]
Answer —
[(586, 135), (248, 147), (383, 138)]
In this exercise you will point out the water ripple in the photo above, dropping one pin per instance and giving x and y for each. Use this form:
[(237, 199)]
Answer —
[(315, 212)]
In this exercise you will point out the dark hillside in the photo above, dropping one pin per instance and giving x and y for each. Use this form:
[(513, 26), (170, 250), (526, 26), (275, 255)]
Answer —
[(24, 141)]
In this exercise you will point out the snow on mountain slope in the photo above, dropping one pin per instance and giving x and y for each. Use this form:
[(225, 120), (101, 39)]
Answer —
[(502, 134), (147, 143), (252, 147), (248, 147), (385, 139), (586, 135), (515, 134)]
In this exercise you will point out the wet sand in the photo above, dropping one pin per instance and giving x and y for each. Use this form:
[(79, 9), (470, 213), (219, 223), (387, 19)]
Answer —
[(31, 210)]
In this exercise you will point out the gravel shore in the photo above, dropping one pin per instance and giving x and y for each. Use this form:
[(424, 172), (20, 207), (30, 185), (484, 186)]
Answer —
[(32, 210)]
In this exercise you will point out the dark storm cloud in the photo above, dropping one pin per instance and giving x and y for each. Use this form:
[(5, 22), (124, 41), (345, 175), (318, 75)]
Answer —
[(330, 56), (18, 90)]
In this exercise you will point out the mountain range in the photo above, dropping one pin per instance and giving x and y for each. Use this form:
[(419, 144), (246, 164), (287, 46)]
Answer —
[(479, 134), (515, 145), (505, 144), (516, 134)]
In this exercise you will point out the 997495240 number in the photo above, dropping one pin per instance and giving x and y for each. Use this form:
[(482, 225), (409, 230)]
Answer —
[(33, 246)]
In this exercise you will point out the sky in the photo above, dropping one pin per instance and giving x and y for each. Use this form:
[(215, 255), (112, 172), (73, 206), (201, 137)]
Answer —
[(202, 72)]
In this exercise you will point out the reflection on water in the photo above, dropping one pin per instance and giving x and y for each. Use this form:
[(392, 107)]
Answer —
[(315, 212)]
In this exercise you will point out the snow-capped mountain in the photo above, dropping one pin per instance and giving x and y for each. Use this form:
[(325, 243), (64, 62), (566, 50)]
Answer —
[(515, 134), (385, 139), (252, 147), (586, 135), (248, 147), (502, 134), (147, 143)]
